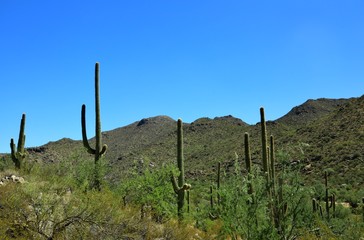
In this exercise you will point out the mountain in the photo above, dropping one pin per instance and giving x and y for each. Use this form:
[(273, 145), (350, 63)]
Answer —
[(322, 134), (311, 110)]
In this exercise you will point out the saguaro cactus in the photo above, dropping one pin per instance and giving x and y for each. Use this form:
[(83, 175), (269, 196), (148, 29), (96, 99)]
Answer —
[(277, 206), (218, 182), (98, 151), (264, 143), (363, 207), (329, 200), (181, 187), (218, 191), (248, 161), (272, 172), (18, 155)]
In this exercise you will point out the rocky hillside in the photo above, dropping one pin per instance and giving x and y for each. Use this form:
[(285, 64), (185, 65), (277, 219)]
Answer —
[(323, 134)]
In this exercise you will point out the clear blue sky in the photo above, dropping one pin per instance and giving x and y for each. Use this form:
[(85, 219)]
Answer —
[(185, 59)]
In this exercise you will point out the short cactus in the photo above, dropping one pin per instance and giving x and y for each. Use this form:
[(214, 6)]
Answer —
[(218, 191), (248, 162), (329, 200), (363, 207), (18, 155), (218, 182), (272, 172)]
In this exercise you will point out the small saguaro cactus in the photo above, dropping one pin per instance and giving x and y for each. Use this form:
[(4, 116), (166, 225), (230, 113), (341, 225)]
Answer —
[(18, 154), (218, 182), (272, 172), (316, 207), (218, 191), (248, 162), (280, 208), (99, 150), (363, 207), (329, 200), (180, 187)]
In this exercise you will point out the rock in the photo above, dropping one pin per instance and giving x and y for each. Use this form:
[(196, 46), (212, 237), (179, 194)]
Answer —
[(19, 180), (11, 178), (307, 167)]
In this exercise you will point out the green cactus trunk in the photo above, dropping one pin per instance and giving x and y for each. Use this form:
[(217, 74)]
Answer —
[(272, 166), (362, 200), (180, 163), (18, 154), (217, 187), (248, 162), (211, 198), (330, 201), (264, 143), (218, 182), (98, 151), (97, 114), (180, 157), (327, 204), (180, 187), (277, 205)]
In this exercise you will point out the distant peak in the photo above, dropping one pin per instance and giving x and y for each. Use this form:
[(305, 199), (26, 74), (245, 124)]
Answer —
[(228, 118), (155, 120), (311, 109)]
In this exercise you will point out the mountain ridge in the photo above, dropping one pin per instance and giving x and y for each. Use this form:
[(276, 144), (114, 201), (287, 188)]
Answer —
[(220, 139)]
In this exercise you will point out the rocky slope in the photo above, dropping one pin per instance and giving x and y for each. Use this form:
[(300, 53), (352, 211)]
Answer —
[(323, 134)]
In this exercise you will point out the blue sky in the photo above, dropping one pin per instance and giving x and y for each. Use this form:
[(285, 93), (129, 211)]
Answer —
[(185, 59)]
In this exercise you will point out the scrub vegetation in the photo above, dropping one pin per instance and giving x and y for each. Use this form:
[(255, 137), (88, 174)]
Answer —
[(299, 177)]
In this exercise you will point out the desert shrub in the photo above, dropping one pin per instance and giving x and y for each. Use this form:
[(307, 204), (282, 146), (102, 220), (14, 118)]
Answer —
[(151, 188), (250, 216), (6, 163), (241, 214)]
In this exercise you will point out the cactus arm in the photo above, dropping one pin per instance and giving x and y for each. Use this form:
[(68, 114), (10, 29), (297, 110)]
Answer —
[(12, 148), (103, 150), (174, 184), (84, 133)]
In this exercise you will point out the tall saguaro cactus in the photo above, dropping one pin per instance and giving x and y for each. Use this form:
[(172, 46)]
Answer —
[(18, 155), (264, 143), (180, 187), (277, 205), (99, 150)]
